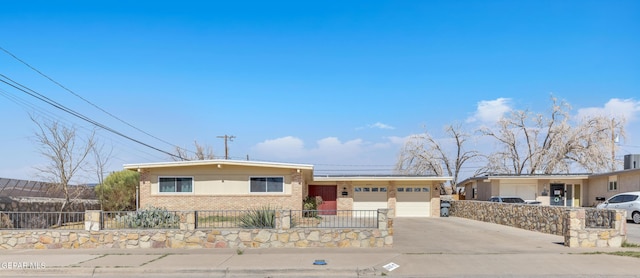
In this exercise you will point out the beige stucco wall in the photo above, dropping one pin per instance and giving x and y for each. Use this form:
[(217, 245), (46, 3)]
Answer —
[(599, 185), (504, 187), (228, 180)]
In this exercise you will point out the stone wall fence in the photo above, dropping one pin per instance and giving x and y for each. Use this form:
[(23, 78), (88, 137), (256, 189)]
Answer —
[(42, 204), (580, 227), (188, 236)]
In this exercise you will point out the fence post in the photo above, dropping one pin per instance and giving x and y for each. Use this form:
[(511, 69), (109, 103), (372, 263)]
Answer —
[(92, 220), (383, 219), (188, 220), (283, 219)]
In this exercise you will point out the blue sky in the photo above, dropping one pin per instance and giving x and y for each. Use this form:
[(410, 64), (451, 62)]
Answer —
[(338, 84)]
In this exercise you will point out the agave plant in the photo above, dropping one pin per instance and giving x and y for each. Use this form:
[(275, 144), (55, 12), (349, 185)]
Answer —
[(264, 217)]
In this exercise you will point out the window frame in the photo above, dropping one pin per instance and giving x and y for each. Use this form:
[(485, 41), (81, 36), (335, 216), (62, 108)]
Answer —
[(266, 185), (176, 185), (612, 184)]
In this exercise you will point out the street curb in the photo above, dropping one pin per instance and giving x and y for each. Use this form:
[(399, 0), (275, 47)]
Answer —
[(191, 272)]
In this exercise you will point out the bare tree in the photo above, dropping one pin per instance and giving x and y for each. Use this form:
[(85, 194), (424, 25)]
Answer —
[(422, 154), (101, 160), (67, 156), (530, 143), (203, 152)]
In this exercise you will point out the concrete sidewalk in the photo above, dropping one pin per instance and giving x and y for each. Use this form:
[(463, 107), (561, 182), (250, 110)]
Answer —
[(423, 247)]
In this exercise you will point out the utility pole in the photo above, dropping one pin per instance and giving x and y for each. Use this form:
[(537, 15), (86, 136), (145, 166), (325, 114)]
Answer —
[(226, 146), (614, 141)]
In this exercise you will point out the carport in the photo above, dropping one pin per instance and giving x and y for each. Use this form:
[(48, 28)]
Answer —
[(406, 195)]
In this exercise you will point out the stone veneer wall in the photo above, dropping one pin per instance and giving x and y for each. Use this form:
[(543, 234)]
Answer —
[(571, 223), (545, 219), (188, 237), (41, 204), (577, 235)]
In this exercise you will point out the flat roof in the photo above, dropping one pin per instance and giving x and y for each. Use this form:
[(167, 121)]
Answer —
[(529, 177), (217, 162), (379, 178)]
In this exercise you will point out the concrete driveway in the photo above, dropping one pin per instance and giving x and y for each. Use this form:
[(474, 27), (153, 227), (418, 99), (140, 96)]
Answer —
[(462, 236), (633, 232)]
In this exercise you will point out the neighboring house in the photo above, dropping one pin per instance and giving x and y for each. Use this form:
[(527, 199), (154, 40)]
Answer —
[(238, 185), (557, 190), (579, 190), (604, 186)]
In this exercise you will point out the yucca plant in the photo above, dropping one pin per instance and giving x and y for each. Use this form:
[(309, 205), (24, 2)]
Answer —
[(264, 217)]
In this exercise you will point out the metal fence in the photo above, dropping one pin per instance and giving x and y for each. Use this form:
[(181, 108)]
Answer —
[(111, 220), (216, 219), (41, 220), (235, 219), (334, 219)]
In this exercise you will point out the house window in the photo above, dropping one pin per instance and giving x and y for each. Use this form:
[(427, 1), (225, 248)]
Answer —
[(175, 184), (613, 183), (267, 184)]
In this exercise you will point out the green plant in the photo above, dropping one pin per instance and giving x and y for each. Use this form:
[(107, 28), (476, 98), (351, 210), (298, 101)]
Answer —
[(118, 191), (629, 244), (310, 207), (264, 217), (239, 251), (151, 217)]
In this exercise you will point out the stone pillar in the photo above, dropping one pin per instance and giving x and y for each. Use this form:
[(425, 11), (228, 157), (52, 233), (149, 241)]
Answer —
[(283, 219), (188, 220), (383, 219), (572, 225), (92, 220)]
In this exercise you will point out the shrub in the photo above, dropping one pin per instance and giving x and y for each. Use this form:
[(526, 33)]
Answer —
[(264, 217), (118, 191), (5, 222), (151, 217), (310, 207)]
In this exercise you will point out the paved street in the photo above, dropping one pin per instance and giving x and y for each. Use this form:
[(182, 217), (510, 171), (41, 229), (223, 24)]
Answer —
[(424, 247)]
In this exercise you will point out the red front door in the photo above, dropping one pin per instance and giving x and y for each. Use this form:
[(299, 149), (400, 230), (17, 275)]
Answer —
[(329, 194)]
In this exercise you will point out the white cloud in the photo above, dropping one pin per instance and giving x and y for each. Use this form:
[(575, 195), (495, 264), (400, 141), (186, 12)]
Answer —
[(381, 126), (397, 140), (377, 125), (327, 150), (490, 111), (281, 148), (627, 109)]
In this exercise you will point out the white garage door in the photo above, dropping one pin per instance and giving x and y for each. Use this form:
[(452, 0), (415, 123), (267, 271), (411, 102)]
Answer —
[(523, 189), (413, 201), (369, 198)]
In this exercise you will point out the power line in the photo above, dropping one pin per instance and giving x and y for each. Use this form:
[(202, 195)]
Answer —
[(87, 101), (59, 106)]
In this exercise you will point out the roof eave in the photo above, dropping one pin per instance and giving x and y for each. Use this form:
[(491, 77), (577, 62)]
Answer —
[(381, 178), (221, 162)]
